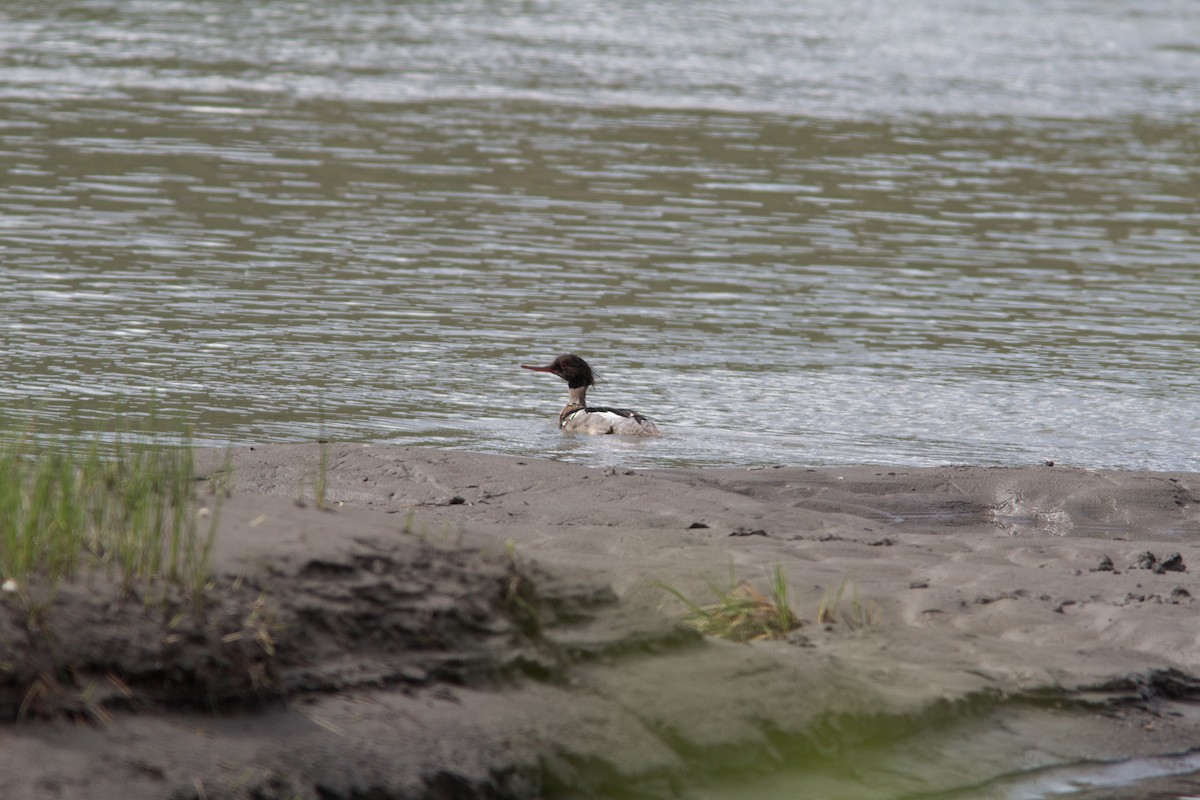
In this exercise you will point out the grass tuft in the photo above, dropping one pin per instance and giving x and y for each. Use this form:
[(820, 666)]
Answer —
[(519, 597), (741, 613), (126, 505), (857, 615), (321, 482)]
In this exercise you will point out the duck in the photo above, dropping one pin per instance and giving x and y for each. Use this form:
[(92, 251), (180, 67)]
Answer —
[(578, 416)]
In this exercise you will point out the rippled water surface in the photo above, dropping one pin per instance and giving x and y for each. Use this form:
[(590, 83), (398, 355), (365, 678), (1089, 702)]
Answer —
[(820, 232)]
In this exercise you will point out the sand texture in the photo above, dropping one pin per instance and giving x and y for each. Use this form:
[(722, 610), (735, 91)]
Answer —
[(461, 625)]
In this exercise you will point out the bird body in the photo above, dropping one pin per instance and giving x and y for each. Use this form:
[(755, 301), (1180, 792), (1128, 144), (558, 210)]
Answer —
[(578, 416)]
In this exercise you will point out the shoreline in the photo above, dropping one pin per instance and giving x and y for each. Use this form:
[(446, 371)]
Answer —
[(506, 607)]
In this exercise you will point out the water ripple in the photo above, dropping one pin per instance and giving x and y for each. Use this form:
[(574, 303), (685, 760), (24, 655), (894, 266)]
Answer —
[(803, 239)]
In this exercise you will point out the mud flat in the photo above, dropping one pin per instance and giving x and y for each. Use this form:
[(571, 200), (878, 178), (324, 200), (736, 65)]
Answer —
[(459, 625)]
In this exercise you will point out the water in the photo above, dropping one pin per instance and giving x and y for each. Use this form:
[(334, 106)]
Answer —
[(821, 232)]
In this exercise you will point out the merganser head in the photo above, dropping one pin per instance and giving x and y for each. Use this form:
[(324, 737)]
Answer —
[(571, 368)]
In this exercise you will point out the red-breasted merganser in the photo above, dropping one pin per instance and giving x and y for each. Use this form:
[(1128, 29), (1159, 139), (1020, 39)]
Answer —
[(577, 415)]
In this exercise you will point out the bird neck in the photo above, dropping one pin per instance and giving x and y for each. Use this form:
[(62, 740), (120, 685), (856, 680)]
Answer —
[(577, 401), (577, 397)]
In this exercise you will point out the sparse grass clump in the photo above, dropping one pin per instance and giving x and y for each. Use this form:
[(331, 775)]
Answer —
[(127, 505), (741, 612), (520, 595), (857, 615)]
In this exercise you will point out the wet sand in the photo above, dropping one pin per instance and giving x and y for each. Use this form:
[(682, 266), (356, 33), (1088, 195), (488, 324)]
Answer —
[(462, 625)]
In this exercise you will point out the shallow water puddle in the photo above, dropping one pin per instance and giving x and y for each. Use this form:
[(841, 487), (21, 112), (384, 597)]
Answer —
[(1010, 753), (1128, 778), (1079, 778)]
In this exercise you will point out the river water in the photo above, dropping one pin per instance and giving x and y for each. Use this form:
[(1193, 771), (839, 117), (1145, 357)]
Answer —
[(808, 233)]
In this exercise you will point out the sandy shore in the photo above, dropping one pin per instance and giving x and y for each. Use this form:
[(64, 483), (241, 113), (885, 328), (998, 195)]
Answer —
[(460, 625)]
